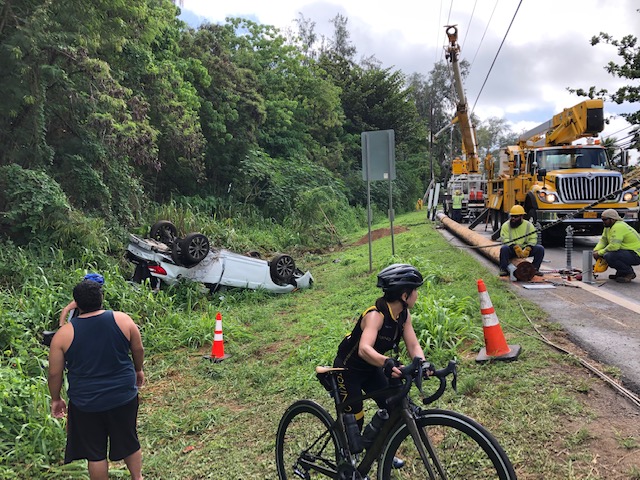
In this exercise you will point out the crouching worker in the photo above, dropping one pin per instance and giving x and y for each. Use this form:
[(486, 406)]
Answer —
[(520, 240), (379, 330), (619, 246), (103, 383)]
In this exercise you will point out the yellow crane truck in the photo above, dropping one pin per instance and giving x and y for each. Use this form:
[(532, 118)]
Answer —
[(557, 182), (465, 176)]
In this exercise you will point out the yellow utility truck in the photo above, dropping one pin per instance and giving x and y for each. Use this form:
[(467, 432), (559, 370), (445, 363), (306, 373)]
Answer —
[(560, 183), (465, 175)]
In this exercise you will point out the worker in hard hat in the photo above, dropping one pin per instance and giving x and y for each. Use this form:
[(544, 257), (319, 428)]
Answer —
[(456, 206), (520, 240), (619, 246)]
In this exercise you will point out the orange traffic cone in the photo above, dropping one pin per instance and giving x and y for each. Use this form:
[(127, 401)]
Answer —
[(217, 347), (496, 347)]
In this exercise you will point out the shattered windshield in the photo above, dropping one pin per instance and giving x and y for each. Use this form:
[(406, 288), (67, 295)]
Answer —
[(562, 158)]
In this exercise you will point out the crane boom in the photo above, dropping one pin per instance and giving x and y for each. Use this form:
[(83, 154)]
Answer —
[(462, 115), (586, 119)]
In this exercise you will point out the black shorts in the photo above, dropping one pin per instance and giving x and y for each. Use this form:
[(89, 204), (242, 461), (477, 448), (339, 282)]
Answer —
[(87, 433)]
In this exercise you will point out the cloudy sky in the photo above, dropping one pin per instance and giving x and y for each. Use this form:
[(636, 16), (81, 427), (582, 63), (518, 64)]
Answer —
[(547, 47)]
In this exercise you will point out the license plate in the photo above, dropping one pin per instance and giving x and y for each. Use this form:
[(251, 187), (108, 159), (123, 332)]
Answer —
[(590, 215)]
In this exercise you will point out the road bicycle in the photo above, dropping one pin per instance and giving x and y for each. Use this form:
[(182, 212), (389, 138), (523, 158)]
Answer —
[(434, 443)]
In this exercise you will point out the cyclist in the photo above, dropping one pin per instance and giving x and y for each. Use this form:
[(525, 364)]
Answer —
[(379, 330)]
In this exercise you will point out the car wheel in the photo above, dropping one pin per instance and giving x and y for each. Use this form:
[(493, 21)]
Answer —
[(195, 247), (164, 231), (282, 268)]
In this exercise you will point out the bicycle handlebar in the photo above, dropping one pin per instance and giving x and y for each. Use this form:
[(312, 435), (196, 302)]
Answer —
[(419, 369)]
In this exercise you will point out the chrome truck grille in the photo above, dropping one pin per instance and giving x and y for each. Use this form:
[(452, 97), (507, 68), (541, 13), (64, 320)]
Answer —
[(589, 187)]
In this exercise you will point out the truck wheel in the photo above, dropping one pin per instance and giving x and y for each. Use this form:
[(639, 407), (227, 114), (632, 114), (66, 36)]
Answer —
[(164, 231), (195, 247), (282, 268)]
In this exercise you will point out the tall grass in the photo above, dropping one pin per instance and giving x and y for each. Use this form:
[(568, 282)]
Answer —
[(204, 420)]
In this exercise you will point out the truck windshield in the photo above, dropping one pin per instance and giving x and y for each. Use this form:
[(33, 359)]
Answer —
[(559, 159)]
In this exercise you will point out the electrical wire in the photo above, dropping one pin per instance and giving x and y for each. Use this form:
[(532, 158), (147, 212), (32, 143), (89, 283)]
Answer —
[(624, 128), (469, 27), (485, 32), (438, 36), (629, 395), (450, 9), (496, 57), (448, 23)]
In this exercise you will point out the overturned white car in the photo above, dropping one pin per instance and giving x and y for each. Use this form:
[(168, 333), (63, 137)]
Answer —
[(166, 257)]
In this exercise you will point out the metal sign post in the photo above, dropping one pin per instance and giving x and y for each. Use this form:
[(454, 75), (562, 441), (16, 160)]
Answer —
[(378, 163)]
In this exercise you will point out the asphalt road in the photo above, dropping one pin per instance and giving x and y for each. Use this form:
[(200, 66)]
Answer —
[(601, 316)]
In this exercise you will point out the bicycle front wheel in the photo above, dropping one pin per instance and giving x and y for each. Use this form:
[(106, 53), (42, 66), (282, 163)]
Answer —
[(306, 442), (458, 448)]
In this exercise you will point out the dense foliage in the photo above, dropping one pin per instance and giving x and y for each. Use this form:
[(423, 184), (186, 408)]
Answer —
[(116, 106), (628, 50)]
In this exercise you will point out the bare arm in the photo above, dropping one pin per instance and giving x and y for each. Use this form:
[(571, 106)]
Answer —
[(137, 352), (371, 324), (132, 332), (60, 341), (65, 312), (411, 340)]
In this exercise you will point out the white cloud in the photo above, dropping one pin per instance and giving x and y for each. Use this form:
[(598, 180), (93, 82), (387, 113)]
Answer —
[(546, 50)]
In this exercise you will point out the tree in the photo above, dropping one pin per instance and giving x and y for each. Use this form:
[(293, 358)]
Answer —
[(629, 68), (492, 134), (340, 43), (95, 95)]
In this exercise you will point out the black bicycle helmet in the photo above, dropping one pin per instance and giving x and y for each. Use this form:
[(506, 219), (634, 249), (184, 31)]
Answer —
[(399, 276)]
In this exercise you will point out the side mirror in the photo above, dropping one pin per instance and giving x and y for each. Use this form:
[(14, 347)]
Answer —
[(542, 173)]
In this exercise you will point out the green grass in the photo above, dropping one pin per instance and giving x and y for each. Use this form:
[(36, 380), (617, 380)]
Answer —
[(203, 420)]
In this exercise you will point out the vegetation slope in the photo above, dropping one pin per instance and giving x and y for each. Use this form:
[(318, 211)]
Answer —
[(218, 420)]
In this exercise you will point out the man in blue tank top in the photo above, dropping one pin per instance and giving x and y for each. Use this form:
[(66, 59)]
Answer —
[(103, 381)]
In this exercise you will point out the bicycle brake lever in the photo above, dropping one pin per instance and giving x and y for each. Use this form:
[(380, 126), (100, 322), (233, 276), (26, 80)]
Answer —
[(418, 378), (454, 382)]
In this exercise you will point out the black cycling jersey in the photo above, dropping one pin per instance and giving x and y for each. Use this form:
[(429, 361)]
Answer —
[(388, 337)]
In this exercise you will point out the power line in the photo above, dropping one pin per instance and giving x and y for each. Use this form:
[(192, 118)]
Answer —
[(618, 131), (449, 16), (469, 27), (496, 57), (484, 33), (448, 23), (435, 60)]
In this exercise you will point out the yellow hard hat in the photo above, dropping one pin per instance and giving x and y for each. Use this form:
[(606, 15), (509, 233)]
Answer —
[(600, 265), (516, 210), (458, 192)]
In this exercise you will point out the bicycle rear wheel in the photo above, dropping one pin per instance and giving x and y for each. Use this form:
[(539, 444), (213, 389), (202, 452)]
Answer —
[(459, 449), (306, 443)]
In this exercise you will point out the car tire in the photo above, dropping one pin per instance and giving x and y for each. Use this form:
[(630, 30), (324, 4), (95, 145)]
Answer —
[(164, 231), (195, 247), (282, 268)]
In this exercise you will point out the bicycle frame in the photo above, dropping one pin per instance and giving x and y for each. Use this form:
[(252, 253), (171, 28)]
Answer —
[(407, 433), (399, 413), (375, 449)]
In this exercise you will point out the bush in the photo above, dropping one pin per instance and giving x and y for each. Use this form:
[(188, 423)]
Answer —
[(32, 203), (324, 216)]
